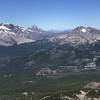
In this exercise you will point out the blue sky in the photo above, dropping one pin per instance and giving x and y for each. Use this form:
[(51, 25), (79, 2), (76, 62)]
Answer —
[(51, 14)]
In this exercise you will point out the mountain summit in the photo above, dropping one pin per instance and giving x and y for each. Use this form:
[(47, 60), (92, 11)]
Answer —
[(79, 35), (11, 34), (82, 29)]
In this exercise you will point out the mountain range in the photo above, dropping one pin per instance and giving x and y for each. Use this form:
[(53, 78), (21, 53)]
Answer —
[(14, 35), (43, 51)]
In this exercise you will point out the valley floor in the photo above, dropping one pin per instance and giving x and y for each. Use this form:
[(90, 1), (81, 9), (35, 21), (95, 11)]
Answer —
[(20, 87)]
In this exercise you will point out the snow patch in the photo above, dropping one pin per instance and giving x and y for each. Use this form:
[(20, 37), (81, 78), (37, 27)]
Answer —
[(4, 28), (83, 30)]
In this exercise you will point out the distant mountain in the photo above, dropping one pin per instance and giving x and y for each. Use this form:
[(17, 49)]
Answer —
[(11, 34), (8, 37), (33, 33), (78, 35)]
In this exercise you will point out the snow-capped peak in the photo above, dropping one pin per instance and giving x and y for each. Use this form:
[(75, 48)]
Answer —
[(80, 29), (79, 35), (4, 28), (14, 34), (5, 31)]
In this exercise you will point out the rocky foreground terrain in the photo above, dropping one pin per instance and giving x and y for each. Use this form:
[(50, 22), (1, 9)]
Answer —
[(90, 92)]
